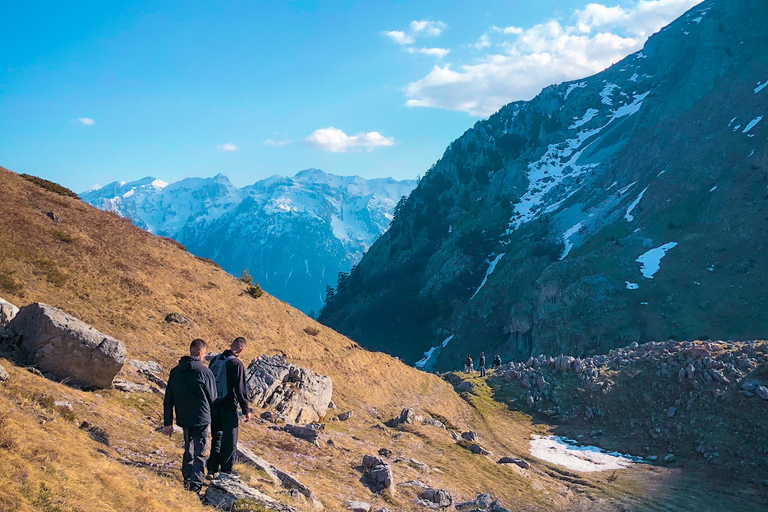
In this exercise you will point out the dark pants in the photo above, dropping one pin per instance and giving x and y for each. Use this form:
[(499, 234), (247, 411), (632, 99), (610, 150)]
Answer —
[(193, 462), (482, 371), (223, 438)]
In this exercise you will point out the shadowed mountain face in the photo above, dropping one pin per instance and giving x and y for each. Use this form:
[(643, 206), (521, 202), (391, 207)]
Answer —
[(294, 235), (630, 205)]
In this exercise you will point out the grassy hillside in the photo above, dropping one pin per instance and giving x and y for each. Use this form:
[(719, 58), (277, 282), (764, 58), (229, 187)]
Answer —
[(105, 454)]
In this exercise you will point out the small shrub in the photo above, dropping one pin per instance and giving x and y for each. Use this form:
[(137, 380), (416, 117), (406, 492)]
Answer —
[(208, 261), (59, 235), (254, 290), (50, 186), (246, 277), (9, 283), (244, 505), (312, 330), (174, 242)]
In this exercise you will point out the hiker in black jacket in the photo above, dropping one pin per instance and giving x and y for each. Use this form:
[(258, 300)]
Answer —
[(191, 391), (230, 381), (482, 364)]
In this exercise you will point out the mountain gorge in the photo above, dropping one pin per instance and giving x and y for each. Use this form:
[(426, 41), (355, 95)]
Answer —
[(294, 235), (627, 206)]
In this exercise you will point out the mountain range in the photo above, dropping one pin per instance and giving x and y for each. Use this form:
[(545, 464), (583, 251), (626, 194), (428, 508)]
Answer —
[(627, 206), (293, 234)]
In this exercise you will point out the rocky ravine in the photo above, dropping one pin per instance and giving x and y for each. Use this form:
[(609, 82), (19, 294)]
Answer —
[(627, 206), (294, 234)]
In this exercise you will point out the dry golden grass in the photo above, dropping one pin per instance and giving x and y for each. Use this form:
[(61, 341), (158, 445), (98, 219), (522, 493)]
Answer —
[(124, 281)]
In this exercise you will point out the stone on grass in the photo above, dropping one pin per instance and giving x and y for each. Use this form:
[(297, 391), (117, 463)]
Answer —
[(7, 312), (225, 490), (439, 497), (516, 461), (4, 375), (358, 506), (67, 348)]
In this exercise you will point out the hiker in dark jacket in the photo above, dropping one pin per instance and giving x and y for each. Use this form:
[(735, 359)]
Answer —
[(496, 362), (482, 364), (191, 391), (230, 379)]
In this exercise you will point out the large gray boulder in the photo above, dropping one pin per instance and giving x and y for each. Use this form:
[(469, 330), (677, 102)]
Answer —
[(379, 473), (298, 395), (66, 347), (225, 490)]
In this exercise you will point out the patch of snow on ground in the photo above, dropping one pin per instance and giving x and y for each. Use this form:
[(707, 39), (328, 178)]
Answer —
[(605, 94), (421, 363), (571, 87), (491, 268), (650, 261), (621, 191), (634, 77), (612, 185), (752, 124), (566, 238), (588, 115), (567, 453), (427, 362), (631, 286), (696, 20), (713, 188), (448, 339), (751, 153), (629, 215), (760, 86), (130, 193), (159, 184)]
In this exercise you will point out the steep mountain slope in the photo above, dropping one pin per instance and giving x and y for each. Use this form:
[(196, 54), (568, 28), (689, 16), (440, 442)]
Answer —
[(293, 234), (628, 206), (105, 454)]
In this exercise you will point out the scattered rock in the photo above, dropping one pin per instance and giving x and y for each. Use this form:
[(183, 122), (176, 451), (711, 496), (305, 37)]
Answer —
[(379, 473), (298, 394), (331, 405), (429, 420), (53, 216), (482, 502), (66, 347), (176, 429), (516, 461), (63, 405), (671, 412), (477, 449), (358, 506), (469, 436), (224, 490), (305, 433), (4, 375), (762, 392), (177, 318), (344, 416), (278, 476), (439, 497), (151, 370), (465, 386), (130, 387), (670, 457), (407, 417), (7, 312), (384, 452)]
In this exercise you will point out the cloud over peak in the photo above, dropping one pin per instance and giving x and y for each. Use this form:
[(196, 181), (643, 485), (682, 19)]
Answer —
[(515, 63), (417, 29), (336, 141), (226, 147)]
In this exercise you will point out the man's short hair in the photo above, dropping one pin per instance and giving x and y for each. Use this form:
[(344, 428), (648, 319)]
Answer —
[(196, 346), (238, 344)]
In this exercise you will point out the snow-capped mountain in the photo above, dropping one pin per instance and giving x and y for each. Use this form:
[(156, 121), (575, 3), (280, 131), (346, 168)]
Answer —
[(627, 206), (294, 235)]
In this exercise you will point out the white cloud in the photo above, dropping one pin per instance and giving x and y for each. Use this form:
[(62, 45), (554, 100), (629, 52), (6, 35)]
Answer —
[(86, 121), (428, 28), (227, 147), (336, 141), (520, 62), (273, 142), (435, 52), (399, 37)]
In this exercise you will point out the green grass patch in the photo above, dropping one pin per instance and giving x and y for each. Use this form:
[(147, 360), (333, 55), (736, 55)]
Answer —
[(50, 186)]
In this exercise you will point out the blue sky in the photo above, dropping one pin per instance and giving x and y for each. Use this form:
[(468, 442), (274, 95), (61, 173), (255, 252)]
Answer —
[(93, 92)]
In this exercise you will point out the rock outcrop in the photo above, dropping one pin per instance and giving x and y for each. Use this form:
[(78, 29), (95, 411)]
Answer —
[(379, 473), (298, 395), (225, 490), (62, 345)]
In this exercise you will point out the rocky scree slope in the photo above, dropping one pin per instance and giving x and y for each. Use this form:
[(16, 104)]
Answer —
[(69, 449), (627, 206), (294, 235)]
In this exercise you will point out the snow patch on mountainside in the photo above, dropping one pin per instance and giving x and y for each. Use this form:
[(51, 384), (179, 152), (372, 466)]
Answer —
[(650, 262)]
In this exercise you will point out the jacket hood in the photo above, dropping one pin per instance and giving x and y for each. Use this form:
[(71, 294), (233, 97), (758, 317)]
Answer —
[(189, 363)]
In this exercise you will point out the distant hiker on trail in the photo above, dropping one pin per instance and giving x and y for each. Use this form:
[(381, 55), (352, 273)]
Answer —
[(230, 383), (469, 365), (191, 391), (482, 364)]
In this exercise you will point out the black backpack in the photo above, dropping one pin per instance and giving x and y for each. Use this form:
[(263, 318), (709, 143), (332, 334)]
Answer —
[(219, 368)]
